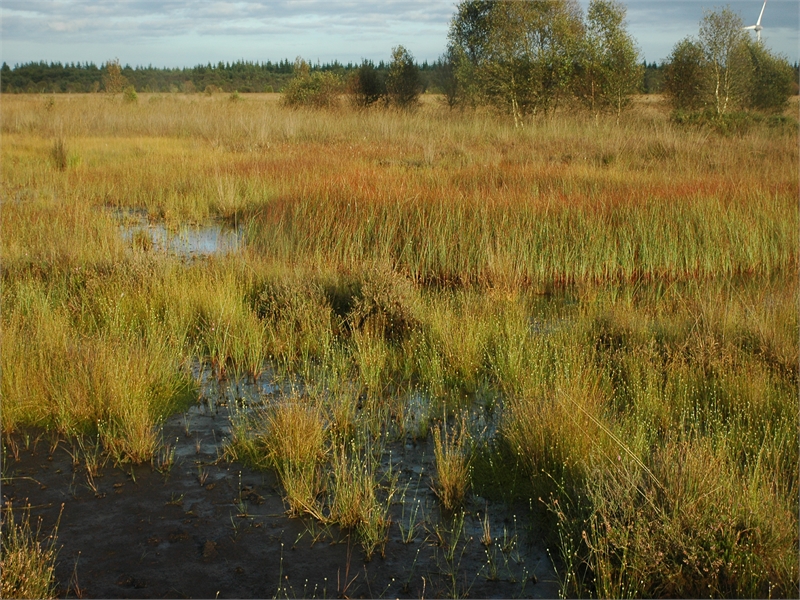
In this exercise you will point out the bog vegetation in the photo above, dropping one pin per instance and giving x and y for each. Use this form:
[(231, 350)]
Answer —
[(619, 290)]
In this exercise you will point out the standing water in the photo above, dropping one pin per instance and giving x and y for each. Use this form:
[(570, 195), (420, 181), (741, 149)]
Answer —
[(184, 241)]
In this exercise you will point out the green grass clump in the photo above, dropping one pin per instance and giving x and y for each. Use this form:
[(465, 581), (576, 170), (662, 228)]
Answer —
[(295, 441), (452, 465), (669, 443), (354, 503)]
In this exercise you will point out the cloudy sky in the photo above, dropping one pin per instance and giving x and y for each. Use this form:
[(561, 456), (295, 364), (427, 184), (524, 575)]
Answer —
[(177, 33)]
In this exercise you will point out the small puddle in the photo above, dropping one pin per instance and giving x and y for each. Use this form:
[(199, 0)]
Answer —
[(185, 241)]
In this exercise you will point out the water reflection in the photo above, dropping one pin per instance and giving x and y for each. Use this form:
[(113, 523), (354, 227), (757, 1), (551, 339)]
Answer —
[(185, 241)]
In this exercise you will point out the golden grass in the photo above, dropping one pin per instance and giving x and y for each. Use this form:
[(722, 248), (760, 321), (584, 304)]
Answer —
[(440, 196), (626, 294)]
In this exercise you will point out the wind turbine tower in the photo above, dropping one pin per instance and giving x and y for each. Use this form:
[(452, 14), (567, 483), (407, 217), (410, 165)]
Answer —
[(757, 27)]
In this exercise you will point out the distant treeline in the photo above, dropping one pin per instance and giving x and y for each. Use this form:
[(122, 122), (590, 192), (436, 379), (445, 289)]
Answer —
[(241, 76)]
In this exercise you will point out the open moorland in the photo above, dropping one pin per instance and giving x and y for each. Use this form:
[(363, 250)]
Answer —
[(255, 351)]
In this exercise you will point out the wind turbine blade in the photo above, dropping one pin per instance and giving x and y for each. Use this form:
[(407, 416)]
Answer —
[(749, 27), (762, 13)]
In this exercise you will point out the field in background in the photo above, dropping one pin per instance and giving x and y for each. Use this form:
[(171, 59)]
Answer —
[(621, 298)]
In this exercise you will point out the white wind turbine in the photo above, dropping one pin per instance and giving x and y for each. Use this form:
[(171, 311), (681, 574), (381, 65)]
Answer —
[(757, 27)]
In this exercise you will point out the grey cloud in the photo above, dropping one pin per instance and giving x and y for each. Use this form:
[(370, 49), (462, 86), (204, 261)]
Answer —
[(275, 29), (194, 15), (187, 32)]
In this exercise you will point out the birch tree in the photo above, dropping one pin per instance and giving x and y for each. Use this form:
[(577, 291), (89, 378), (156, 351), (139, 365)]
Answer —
[(468, 44), (611, 68), (724, 43), (113, 79), (519, 56)]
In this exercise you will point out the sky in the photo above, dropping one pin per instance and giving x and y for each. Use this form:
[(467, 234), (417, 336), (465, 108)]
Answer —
[(185, 33)]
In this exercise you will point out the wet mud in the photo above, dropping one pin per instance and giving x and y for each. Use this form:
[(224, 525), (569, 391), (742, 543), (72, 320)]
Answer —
[(195, 525)]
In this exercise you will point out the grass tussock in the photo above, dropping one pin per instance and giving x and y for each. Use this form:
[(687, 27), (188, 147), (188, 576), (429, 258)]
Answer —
[(451, 451), (295, 443), (59, 154), (354, 503), (28, 561), (327, 469)]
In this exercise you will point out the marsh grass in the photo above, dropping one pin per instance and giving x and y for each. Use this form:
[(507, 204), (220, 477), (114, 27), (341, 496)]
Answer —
[(354, 502), (484, 203), (59, 154), (666, 463), (624, 295), (452, 454), (707, 517), (28, 561), (295, 440), (111, 382)]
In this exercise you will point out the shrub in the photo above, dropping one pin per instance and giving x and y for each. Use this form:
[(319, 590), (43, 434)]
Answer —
[(298, 317), (385, 305), (445, 78), (771, 82), (731, 123), (366, 86), (316, 90), (129, 95)]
